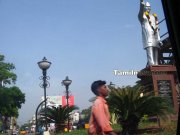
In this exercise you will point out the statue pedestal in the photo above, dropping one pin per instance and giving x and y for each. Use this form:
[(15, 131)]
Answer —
[(162, 80)]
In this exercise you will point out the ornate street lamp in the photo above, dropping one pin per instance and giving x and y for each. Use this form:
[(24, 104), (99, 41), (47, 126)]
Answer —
[(44, 65), (66, 83)]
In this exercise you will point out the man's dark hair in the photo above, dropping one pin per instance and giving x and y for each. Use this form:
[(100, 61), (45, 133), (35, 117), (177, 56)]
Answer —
[(95, 85)]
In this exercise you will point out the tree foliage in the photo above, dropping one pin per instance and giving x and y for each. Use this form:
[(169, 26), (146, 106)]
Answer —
[(130, 107), (6, 71), (85, 114), (11, 98), (58, 115)]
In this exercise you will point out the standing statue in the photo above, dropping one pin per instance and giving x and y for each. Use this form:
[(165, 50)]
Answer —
[(150, 32)]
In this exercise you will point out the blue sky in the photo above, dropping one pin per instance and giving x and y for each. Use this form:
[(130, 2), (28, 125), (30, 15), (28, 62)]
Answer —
[(84, 39)]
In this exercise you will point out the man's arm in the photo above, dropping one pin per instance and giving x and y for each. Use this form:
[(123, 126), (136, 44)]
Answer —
[(158, 34), (101, 118), (159, 39), (141, 11)]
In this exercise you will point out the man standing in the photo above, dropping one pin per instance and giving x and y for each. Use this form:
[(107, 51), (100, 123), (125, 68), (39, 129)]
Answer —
[(150, 32), (99, 123)]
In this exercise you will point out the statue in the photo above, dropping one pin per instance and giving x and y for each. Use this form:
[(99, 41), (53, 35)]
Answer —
[(150, 32)]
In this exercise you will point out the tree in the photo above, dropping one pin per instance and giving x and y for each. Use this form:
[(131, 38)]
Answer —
[(6, 72), (85, 114), (58, 115), (11, 100), (130, 107), (11, 97)]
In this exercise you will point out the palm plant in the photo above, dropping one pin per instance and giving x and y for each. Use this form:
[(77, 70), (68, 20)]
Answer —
[(130, 107), (58, 115)]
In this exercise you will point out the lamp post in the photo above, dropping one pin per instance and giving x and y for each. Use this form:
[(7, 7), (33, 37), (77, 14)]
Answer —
[(44, 65), (111, 84), (36, 119), (66, 83)]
